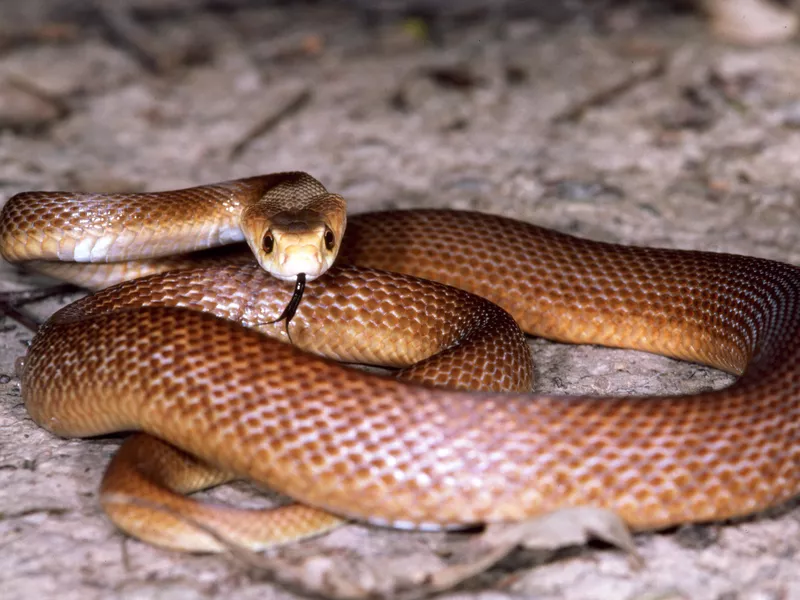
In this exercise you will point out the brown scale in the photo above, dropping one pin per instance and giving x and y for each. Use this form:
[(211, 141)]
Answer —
[(391, 452)]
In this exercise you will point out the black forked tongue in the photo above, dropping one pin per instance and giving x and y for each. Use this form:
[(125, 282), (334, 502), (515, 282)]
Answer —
[(291, 308)]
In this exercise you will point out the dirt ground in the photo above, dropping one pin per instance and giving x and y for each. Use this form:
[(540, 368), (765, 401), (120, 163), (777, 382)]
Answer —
[(635, 128)]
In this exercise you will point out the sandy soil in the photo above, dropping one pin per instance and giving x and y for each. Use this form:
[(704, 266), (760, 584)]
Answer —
[(640, 131)]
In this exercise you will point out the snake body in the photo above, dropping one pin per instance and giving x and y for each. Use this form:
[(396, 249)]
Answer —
[(391, 452), (115, 228)]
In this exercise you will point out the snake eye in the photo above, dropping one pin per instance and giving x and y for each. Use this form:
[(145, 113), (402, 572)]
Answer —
[(269, 243), (330, 239)]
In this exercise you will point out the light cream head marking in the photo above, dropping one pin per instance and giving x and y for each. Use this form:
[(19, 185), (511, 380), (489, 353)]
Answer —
[(296, 227)]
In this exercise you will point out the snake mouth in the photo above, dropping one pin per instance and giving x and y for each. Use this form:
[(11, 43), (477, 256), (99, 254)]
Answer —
[(290, 278), (295, 259)]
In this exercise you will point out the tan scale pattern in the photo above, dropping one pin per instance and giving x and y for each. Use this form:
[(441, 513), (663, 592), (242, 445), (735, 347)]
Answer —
[(102, 228), (570, 289), (390, 452), (113, 227), (402, 322), (133, 495), (431, 332)]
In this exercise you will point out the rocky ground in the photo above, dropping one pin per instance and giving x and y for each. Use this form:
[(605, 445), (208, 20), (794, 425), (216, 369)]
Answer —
[(628, 125)]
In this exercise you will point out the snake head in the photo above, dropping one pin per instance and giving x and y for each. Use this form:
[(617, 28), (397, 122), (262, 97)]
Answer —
[(289, 242)]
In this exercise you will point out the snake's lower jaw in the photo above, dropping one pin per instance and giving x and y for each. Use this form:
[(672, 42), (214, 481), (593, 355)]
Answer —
[(291, 278)]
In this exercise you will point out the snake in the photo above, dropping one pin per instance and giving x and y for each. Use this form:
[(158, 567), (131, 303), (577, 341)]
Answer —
[(174, 356)]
